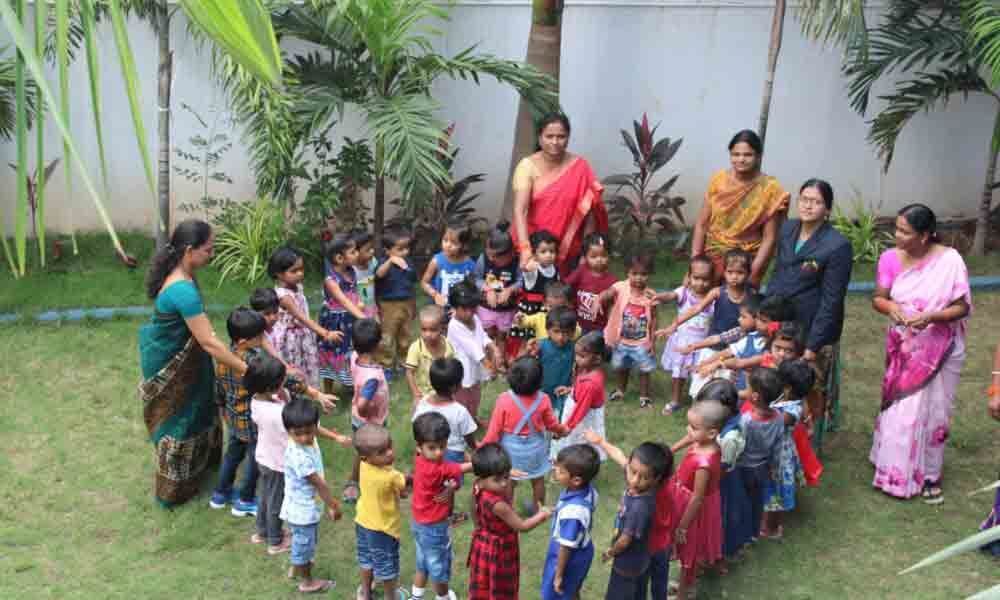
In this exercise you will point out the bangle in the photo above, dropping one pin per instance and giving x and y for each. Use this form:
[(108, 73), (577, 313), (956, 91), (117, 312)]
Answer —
[(524, 247), (995, 373), (993, 390)]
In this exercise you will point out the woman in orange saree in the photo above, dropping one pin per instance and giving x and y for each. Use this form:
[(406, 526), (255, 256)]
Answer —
[(743, 209), (558, 192)]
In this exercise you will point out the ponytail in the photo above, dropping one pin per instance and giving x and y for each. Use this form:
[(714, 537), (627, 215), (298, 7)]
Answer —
[(188, 234)]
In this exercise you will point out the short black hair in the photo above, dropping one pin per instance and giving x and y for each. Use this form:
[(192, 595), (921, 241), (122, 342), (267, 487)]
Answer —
[(656, 457), (791, 330), (489, 460), (642, 261), (580, 460), (370, 439), (462, 233), (393, 236), (360, 237), (339, 244), (499, 239), (244, 324), (431, 427), (299, 413), (767, 383), (366, 336), (798, 375), (559, 289), (525, 376), (463, 295), (777, 308), (751, 303), (598, 239), (740, 256), (446, 375), (702, 259), (722, 391), (542, 236), (264, 300), (281, 260), (264, 374), (561, 317), (593, 342)]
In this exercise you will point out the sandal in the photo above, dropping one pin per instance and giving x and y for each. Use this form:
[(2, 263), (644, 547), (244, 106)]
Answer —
[(616, 396), (645, 402), (777, 534), (257, 539), (932, 493), (322, 585), (670, 409), (351, 491)]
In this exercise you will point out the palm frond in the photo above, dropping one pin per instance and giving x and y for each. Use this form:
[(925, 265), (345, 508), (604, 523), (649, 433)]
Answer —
[(8, 66), (323, 26), (837, 21), (242, 28), (970, 543), (923, 91), (982, 18)]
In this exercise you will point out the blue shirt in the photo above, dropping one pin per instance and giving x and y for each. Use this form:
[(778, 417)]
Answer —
[(398, 284), (557, 369), (449, 273), (634, 518), (299, 506), (574, 518)]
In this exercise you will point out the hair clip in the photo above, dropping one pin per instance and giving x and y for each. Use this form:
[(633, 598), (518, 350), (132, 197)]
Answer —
[(773, 327)]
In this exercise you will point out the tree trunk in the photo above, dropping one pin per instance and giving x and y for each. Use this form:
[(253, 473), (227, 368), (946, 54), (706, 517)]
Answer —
[(161, 225), (983, 223), (379, 209), (544, 42), (777, 27)]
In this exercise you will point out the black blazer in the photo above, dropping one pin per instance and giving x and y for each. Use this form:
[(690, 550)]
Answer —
[(815, 279)]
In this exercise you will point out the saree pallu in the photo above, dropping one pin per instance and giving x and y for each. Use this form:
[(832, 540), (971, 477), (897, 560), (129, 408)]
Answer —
[(739, 213), (178, 406)]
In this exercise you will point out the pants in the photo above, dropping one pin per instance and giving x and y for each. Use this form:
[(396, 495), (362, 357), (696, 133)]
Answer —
[(270, 494), (236, 451), (623, 587), (656, 577), (754, 481), (397, 315)]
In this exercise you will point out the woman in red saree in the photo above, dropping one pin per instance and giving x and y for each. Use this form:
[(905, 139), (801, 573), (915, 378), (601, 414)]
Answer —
[(923, 287), (556, 191)]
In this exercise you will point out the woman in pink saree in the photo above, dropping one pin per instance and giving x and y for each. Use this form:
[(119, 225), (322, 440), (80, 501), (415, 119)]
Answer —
[(556, 191), (923, 287)]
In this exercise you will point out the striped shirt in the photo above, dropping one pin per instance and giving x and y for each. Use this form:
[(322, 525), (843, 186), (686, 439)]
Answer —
[(574, 518)]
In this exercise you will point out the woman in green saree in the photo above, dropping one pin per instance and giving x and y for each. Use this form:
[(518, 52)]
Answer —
[(176, 349)]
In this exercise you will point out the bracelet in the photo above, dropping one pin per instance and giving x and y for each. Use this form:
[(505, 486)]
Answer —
[(995, 373), (993, 390)]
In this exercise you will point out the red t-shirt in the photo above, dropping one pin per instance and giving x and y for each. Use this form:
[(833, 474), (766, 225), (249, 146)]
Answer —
[(588, 286), (588, 393), (428, 481), (661, 533)]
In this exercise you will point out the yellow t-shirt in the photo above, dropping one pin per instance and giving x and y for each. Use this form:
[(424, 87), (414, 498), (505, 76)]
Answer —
[(419, 358), (378, 502), (537, 322)]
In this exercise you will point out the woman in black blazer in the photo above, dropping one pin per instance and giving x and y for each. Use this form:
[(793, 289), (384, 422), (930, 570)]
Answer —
[(813, 269)]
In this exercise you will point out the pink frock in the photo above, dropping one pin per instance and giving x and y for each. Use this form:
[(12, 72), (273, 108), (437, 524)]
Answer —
[(704, 534), (295, 342)]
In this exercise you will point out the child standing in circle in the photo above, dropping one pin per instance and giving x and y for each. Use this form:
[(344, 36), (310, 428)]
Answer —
[(584, 407), (364, 271), (340, 309), (631, 323), (294, 333), (395, 281), (430, 346), (590, 279), (537, 274), (499, 281), (449, 266)]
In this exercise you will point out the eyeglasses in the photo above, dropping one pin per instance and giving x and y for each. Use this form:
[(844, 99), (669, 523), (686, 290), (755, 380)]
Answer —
[(806, 201)]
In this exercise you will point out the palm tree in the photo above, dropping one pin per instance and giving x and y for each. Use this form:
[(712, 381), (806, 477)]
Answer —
[(544, 53), (377, 56), (934, 59), (983, 21)]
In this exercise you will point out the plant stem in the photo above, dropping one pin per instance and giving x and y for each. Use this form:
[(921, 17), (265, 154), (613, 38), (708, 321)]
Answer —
[(379, 216), (777, 27), (983, 221), (164, 75)]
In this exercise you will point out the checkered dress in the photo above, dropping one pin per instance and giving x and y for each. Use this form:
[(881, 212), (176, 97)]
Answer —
[(494, 556), (231, 395)]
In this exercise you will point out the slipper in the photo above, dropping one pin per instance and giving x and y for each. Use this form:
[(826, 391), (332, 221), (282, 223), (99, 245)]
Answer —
[(670, 409), (257, 539), (284, 546), (932, 494), (772, 535), (645, 402), (351, 491), (616, 396), (325, 585)]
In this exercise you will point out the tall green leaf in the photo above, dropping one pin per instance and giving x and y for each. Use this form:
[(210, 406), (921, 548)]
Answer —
[(243, 29), (970, 543), (41, 10), (38, 73), (21, 107), (62, 58), (132, 89), (89, 22), (982, 17)]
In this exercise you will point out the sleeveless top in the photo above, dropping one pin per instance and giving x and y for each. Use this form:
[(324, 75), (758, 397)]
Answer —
[(727, 313)]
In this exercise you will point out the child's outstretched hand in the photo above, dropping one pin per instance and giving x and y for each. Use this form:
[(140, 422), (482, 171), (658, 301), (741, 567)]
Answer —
[(503, 297), (327, 401), (450, 485), (680, 536), (439, 299), (333, 512), (492, 298), (517, 473), (686, 349), (333, 337), (665, 332), (400, 262), (563, 390), (705, 369), (606, 555), (532, 348), (592, 437)]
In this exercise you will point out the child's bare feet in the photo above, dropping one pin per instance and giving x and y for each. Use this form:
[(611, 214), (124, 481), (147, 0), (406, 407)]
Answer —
[(316, 586)]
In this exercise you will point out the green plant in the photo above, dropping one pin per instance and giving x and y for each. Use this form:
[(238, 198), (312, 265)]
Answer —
[(200, 164), (252, 232), (645, 217), (861, 228), (33, 185)]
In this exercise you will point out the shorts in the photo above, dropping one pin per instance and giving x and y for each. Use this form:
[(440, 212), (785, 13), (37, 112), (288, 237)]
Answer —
[(625, 356), (303, 543), (433, 545), (469, 397), (378, 552), (501, 319)]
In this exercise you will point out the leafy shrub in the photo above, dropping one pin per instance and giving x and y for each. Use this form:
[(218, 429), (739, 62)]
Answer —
[(253, 230), (862, 229), (200, 164)]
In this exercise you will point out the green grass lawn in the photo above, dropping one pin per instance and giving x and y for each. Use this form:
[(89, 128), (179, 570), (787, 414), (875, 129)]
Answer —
[(77, 519)]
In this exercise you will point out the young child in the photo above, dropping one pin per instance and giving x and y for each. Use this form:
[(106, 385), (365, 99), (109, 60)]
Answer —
[(698, 533), (689, 326), (745, 338), (449, 266), (304, 480), (265, 381), (341, 308), (499, 281), (293, 333), (395, 280), (584, 408), (590, 279), (571, 548), (431, 345), (520, 419), (779, 495), (494, 554), (537, 274), (556, 353), (364, 271), (434, 482), (631, 323), (763, 428), (446, 379), (534, 327), (377, 520), (370, 404), (265, 302), (473, 348)]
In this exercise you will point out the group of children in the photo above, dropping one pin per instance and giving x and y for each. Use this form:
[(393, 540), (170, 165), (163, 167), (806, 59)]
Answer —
[(550, 333)]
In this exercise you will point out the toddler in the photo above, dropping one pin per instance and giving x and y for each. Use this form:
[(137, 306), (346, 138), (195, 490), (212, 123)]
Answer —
[(446, 379), (341, 308), (434, 481), (631, 323), (449, 266), (584, 408), (377, 521), (494, 553), (265, 302), (499, 281), (571, 548), (538, 272), (394, 289), (473, 348), (535, 327), (556, 353), (589, 280), (293, 333), (743, 340), (689, 326), (364, 271), (370, 404), (763, 428), (431, 345), (303, 482)]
